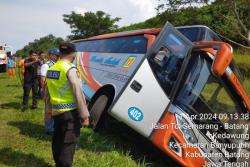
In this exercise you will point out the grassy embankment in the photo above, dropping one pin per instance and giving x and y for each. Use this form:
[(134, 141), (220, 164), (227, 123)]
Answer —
[(23, 142)]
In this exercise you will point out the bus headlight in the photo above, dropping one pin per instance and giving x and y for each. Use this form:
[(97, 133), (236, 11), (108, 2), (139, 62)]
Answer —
[(175, 146), (186, 130)]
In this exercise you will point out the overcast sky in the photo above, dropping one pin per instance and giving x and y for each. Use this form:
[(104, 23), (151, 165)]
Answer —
[(22, 21)]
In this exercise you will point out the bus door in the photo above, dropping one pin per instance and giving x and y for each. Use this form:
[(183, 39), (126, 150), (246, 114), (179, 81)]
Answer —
[(147, 95)]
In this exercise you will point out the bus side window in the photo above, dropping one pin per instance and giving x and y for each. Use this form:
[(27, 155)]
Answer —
[(209, 37), (212, 37), (166, 67)]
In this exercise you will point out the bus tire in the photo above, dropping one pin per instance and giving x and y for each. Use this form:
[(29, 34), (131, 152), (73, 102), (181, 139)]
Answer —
[(97, 112), (99, 106)]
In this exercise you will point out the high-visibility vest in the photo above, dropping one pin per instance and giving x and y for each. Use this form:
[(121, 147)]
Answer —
[(21, 64), (61, 94)]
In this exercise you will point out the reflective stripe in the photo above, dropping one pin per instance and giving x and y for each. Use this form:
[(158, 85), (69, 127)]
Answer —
[(65, 106), (51, 64)]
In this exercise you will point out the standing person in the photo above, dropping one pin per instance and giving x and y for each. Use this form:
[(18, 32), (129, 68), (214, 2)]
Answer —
[(30, 80), (21, 65), (53, 57), (41, 57), (11, 66), (69, 106)]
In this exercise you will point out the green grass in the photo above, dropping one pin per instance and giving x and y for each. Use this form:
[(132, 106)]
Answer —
[(242, 58), (23, 142)]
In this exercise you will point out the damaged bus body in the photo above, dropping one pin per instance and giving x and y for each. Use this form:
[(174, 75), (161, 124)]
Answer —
[(179, 94)]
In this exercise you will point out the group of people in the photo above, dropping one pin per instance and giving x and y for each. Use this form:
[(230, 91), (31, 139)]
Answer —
[(58, 81)]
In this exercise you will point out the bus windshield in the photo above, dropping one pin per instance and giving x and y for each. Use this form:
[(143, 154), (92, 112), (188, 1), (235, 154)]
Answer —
[(201, 93), (193, 34)]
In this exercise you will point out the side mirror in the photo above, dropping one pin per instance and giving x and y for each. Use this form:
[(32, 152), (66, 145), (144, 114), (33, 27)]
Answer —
[(222, 53), (222, 60)]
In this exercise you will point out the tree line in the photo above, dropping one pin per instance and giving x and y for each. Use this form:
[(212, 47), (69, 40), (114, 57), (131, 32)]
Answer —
[(38, 45), (229, 18)]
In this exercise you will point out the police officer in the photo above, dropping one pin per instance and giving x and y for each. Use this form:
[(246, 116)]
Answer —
[(68, 105), (53, 57)]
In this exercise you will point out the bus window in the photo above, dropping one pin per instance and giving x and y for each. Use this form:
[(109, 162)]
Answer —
[(176, 45), (202, 93), (212, 36), (167, 63), (234, 67), (162, 56), (131, 44), (166, 67), (191, 33)]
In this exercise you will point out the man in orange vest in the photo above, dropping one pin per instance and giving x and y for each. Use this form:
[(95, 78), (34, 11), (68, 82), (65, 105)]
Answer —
[(21, 65)]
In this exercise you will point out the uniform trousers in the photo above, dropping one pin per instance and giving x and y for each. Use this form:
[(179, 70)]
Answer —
[(66, 135), (27, 86)]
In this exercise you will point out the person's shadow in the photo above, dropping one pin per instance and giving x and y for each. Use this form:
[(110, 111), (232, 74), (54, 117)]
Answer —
[(13, 86), (10, 157), (30, 129), (13, 105)]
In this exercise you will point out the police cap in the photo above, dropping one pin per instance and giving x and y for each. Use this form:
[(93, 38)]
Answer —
[(54, 51), (67, 48)]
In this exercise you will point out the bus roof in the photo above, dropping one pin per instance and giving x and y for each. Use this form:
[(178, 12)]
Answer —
[(153, 31), (194, 26)]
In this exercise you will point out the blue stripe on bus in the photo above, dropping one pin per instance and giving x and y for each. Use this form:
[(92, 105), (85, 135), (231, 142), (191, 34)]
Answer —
[(87, 91)]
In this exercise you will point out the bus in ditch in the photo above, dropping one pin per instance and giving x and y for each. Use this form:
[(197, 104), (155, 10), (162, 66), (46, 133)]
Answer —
[(180, 95)]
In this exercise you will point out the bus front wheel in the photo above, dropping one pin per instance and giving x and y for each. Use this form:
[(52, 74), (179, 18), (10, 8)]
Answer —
[(97, 112)]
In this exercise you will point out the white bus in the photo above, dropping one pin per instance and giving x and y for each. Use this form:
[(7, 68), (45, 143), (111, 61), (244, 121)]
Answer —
[(174, 92)]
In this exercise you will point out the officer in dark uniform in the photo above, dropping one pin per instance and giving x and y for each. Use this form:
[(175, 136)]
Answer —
[(68, 105), (31, 81)]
